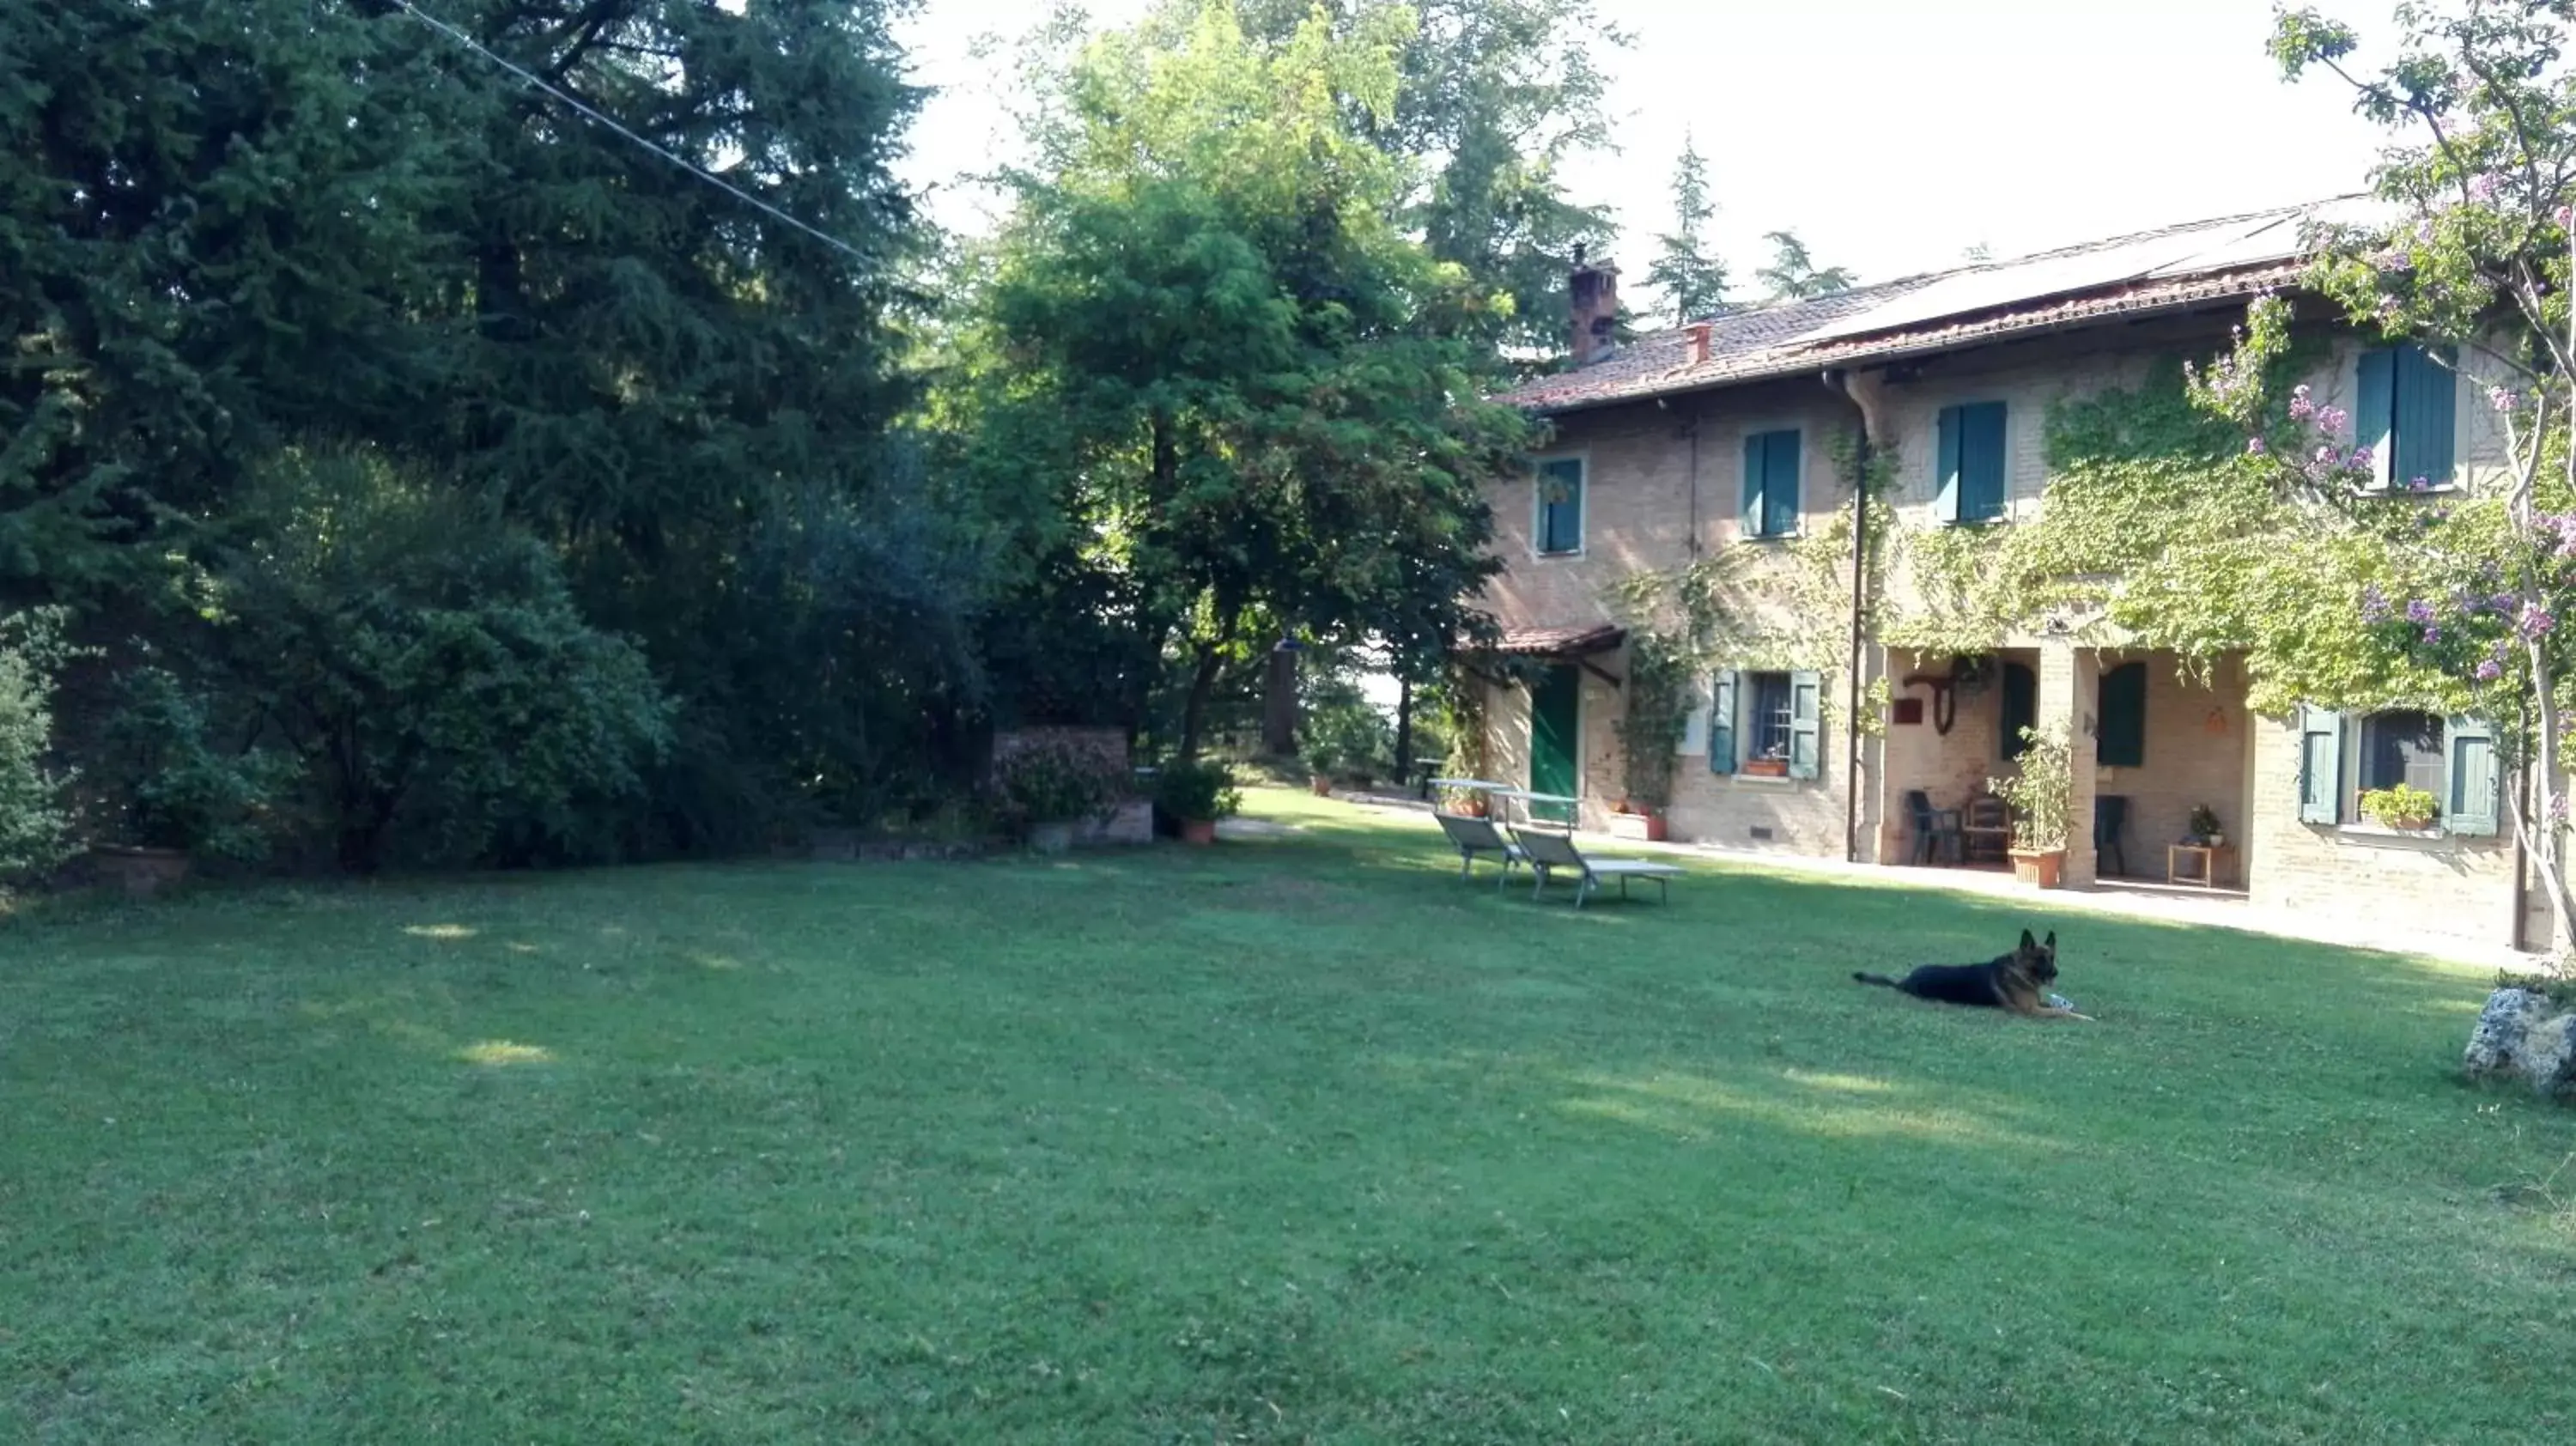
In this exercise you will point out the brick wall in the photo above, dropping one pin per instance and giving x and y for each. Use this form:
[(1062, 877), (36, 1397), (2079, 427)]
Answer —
[(1655, 499), (2451, 886)]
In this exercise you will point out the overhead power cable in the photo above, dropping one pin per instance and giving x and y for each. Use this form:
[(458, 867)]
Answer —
[(539, 82)]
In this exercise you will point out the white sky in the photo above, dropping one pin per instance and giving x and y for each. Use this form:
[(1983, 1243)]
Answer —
[(1892, 135)]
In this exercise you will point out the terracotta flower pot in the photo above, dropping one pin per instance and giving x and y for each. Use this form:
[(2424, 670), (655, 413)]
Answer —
[(1646, 826), (140, 872), (1766, 768), (2042, 870), (1200, 831), (1322, 784)]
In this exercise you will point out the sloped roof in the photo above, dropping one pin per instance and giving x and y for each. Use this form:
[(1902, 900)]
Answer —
[(2174, 266), (1563, 642)]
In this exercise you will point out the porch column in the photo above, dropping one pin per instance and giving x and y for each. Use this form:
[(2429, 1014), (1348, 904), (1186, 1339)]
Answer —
[(2069, 693)]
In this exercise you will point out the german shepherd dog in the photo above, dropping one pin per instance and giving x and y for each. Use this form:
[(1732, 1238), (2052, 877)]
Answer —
[(2017, 981)]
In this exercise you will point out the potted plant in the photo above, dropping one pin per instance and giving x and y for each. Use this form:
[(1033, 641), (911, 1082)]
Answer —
[(1322, 759), (1637, 821), (1047, 788), (1769, 765), (1464, 802), (1198, 793), (174, 798), (2404, 808), (1659, 695), (2041, 799), (2204, 827)]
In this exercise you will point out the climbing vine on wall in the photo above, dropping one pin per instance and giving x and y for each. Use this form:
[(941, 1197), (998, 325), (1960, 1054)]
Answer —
[(2160, 528)]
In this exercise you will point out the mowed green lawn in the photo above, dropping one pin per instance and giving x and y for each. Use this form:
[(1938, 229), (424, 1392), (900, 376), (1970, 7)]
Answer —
[(1287, 1140)]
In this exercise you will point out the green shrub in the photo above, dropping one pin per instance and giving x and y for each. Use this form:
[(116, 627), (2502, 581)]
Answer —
[(425, 661), (1198, 791), (35, 828), (173, 788)]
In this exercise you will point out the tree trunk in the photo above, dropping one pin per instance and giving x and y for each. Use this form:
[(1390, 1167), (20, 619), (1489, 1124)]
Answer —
[(2544, 834), (1194, 713), (1279, 705), (1403, 731)]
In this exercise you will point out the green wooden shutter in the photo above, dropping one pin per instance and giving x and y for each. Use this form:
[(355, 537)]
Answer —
[(1981, 461), (1945, 470), (2122, 739), (2475, 781), (2021, 708), (1780, 485), (2374, 409), (1721, 724), (1561, 522), (1806, 723), (2425, 419), (1756, 452), (2320, 766)]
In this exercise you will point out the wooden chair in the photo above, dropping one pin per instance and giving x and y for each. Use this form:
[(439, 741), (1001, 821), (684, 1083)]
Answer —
[(1988, 829), (1936, 830)]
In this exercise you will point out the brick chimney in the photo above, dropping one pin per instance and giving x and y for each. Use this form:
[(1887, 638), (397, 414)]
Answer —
[(1695, 341), (1594, 292)]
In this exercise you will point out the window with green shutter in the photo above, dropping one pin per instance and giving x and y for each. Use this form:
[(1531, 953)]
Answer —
[(2405, 410), (1969, 463), (1721, 722), (2120, 740), (1559, 523), (1771, 484), (2455, 759)]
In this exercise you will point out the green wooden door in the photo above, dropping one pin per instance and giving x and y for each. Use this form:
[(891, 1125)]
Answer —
[(1556, 713)]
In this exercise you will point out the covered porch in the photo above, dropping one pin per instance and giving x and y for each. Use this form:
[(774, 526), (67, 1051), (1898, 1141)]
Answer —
[(2152, 749)]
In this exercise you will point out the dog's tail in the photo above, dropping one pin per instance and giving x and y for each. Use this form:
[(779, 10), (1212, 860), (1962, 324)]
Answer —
[(1868, 978)]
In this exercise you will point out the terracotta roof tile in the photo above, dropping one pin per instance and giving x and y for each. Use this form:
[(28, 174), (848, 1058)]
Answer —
[(2174, 266), (1562, 642)]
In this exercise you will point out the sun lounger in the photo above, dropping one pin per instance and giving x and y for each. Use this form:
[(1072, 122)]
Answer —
[(1547, 853)]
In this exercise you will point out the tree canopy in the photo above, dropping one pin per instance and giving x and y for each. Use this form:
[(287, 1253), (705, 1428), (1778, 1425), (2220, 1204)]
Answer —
[(1259, 395), (1692, 279)]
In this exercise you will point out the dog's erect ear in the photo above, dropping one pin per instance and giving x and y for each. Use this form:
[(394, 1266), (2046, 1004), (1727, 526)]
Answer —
[(2051, 945), (2028, 943)]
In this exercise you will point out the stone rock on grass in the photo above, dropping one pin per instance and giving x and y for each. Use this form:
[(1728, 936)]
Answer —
[(2524, 1034)]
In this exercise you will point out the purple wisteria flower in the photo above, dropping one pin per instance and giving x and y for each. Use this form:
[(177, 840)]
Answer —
[(2300, 407), (2253, 446), (2483, 188), (2536, 620), (2374, 604), (2503, 399), (2360, 457), (2489, 670), (2419, 611), (2432, 635)]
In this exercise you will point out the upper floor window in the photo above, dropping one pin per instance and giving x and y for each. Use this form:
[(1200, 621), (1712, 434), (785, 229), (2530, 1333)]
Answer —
[(1970, 466), (1771, 484), (1559, 524), (2404, 412)]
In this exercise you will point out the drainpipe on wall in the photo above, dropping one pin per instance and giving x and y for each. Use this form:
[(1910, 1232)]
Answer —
[(1838, 382)]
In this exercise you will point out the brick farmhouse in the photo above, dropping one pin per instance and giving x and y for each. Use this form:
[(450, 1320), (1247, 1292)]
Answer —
[(1735, 434)]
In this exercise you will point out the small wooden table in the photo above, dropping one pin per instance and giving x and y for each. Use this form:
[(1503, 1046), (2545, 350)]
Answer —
[(2210, 856)]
